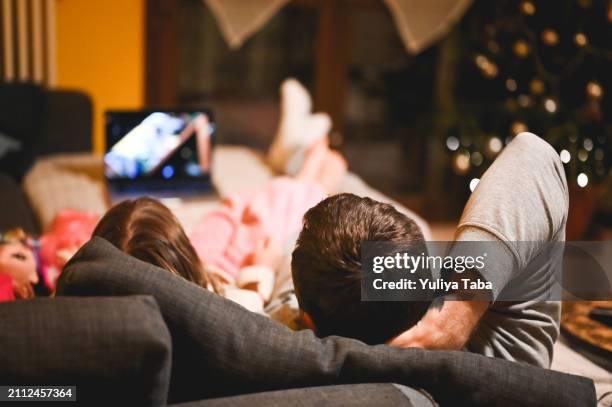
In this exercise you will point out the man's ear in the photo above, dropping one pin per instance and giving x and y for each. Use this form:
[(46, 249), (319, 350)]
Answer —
[(308, 321)]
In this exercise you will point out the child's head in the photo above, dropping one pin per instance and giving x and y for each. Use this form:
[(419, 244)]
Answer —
[(146, 229), (326, 267)]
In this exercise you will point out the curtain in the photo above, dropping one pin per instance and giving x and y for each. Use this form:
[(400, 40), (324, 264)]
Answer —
[(419, 22)]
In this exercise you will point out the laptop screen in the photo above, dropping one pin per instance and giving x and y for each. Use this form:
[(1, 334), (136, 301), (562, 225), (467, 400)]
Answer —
[(158, 148)]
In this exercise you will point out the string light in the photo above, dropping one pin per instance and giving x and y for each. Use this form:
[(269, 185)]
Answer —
[(580, 39), (550, 37), (488, 68), (518, 128), (594, 90), (474, 183), (528, 8), (588, 144), (511, 84), (462, 162), (452, 143), (583, 155), (537, 87), (481, 61), (491, 71), (599, 154), (582, 180), (495, 145), (524, 101), (550, 105), (565, 156), (521, 49), (476, 159)]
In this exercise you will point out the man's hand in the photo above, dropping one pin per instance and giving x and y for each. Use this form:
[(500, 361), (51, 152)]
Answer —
[(446, 328)]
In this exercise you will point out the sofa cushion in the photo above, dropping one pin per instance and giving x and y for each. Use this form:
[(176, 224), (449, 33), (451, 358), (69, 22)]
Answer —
[(22, 111), (68, 123), (65, 181), (109, 348), (14, 208), (221, 349), (350, 395)]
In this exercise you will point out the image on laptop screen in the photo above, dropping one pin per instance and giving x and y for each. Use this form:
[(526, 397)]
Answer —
[(158, 147)]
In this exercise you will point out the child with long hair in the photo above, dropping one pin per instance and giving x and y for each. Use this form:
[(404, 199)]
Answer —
[(235, 250)]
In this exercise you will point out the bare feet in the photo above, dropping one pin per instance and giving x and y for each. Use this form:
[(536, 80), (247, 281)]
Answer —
[(332, 171), (313, 160), (323, 166)]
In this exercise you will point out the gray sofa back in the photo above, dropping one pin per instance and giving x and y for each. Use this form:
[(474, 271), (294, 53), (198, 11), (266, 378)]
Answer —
[(109, 348), (221, 349), (347, 395)]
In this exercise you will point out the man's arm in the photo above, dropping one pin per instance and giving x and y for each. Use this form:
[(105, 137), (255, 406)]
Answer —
[(450, 326), (446, 328)]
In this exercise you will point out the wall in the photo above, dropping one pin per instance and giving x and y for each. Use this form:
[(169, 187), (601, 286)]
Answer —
[(100, 50)]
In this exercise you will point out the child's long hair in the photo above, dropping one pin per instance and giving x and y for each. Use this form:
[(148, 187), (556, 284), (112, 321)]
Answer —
[(146, 229)]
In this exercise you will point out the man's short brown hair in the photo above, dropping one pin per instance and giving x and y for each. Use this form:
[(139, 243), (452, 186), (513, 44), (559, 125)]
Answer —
[(326, 268)]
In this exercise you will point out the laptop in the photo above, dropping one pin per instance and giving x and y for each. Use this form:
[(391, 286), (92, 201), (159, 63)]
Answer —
[(158, 153)]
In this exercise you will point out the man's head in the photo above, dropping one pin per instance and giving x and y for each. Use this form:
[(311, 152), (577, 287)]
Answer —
[(326, 267)]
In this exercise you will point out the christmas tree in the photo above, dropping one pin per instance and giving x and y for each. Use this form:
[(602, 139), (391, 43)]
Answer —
[(540, 66)]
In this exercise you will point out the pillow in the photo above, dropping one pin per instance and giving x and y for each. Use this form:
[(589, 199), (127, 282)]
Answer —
[(109, 348), (65, 181), (221, 349)]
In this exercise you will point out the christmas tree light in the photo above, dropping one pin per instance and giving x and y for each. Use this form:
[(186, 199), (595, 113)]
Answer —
[(537, 66)]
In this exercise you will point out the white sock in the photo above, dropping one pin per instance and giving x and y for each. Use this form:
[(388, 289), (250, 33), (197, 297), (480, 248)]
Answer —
[(298, 128)]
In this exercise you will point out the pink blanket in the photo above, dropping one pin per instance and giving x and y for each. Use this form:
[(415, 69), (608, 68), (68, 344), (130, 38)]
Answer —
[(225, 237)]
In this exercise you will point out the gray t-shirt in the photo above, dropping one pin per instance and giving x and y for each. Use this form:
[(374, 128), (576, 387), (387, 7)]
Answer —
[(523, 197)]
